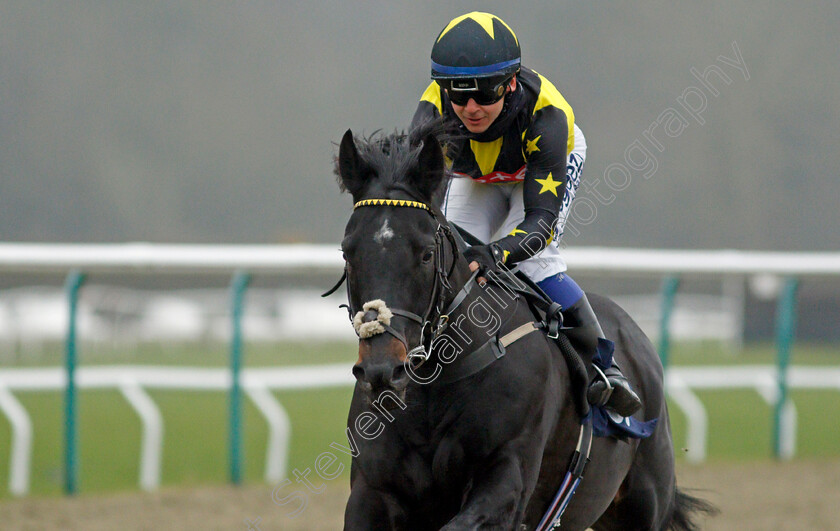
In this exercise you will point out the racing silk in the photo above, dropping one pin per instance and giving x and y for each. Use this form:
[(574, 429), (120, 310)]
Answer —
[(529, 142)]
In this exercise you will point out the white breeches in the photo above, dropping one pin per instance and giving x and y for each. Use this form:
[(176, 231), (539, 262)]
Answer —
[(491, 211)]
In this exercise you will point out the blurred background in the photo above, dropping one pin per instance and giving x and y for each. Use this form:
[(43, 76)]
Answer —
[(197, 121), (709, 125)]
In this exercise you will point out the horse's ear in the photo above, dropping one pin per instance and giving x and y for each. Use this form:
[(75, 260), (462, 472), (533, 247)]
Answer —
[(430, 166), (352, 169)]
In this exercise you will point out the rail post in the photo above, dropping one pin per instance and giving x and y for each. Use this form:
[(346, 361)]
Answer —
[(72, 285), (669, 291), (238, 286), (785, 328)]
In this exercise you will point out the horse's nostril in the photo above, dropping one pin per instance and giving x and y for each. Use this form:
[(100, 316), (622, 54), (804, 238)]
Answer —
[(381, 376), (398, 374)]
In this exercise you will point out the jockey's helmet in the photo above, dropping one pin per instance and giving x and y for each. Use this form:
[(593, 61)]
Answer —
[(475, 54)]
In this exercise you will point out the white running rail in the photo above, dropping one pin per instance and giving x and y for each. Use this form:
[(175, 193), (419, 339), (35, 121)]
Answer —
[(133, 381), (139, 257), (259, 382)]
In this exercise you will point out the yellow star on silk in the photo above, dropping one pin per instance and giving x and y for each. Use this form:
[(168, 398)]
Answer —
[(549, 184), (532, 145), (485, 20)]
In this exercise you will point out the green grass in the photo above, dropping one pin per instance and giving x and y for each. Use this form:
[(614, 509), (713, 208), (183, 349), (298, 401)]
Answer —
[(741, 424), (195, 422), (195, 437)]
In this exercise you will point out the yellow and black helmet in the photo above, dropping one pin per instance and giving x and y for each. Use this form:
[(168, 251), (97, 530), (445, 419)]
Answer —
[(476, 45)]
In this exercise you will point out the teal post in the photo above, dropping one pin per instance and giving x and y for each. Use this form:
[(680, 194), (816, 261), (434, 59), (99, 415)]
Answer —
[(72, 284), (239, 284), (785, 327), (669, 293)]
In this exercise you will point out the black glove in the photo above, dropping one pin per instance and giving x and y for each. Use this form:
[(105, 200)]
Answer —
[(490, 257)]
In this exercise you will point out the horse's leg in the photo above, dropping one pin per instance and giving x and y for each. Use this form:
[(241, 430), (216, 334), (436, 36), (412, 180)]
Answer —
[(371, 506), (494, 500), (610, 461), (646, 497), (370, 509)]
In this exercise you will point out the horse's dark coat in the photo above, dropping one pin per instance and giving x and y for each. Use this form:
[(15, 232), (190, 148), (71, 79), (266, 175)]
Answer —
[(489, 451)]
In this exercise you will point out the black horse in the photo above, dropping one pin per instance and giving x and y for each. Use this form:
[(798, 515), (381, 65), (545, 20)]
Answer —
[(445, 435)]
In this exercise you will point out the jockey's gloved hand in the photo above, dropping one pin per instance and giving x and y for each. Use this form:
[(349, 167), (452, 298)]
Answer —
[(490, 257)]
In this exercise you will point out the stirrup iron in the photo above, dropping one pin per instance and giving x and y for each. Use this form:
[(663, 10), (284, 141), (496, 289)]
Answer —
[(605, 395)]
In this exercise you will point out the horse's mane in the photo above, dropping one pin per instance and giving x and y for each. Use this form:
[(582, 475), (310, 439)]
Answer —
[(392, 157)]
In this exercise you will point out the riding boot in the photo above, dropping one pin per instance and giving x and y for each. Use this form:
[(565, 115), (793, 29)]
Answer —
[(608, 388)]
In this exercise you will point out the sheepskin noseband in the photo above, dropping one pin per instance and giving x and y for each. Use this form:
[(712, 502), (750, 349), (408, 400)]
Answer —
[(374, 327)]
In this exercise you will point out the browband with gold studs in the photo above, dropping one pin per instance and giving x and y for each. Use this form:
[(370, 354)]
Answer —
[(391, 202)]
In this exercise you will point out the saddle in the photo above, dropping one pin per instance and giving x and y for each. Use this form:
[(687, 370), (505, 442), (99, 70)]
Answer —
[(548, 319)]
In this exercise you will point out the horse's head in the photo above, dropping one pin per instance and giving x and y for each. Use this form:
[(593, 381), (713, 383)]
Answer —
[(398, 252)]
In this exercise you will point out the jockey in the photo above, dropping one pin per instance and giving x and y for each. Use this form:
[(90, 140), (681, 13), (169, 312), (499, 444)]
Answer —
[(516, 166)]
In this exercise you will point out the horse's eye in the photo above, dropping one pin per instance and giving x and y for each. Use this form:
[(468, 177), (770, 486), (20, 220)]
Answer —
[(428, 255)]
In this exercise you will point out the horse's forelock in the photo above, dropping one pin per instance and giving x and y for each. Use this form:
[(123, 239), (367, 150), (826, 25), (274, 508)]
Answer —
[(394, 157)]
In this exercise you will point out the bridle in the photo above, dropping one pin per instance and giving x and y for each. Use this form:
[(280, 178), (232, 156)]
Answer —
[(435, 318)]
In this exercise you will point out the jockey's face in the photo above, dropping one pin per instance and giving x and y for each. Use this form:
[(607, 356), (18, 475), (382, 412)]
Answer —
[(477, 118)]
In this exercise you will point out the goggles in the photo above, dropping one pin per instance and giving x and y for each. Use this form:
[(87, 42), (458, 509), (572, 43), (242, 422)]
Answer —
[(483, 91)]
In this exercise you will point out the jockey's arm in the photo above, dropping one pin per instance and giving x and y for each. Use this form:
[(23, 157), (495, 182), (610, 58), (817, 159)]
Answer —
[(545, 146)]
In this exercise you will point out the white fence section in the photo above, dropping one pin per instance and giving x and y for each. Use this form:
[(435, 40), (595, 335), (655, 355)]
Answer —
[(132, 381), (310, 258), (259, 382), (33, 315), (145, 258), (680, 381)]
